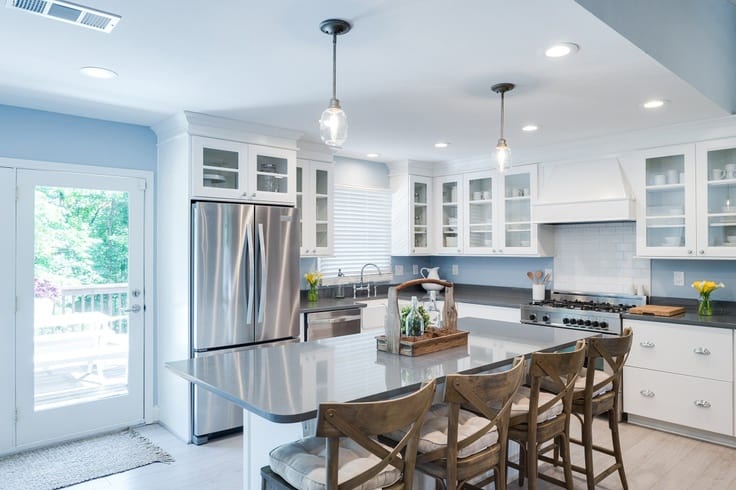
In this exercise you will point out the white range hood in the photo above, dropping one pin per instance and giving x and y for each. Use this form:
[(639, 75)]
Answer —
[(583, 192)]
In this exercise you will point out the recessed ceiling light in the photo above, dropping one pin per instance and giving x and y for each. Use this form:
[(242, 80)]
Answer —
[(654, 103), (98, 72), (561, 49), (441, 144), (530, 127), (372, 155)]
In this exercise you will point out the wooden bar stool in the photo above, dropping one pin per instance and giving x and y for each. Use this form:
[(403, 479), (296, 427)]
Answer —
[(466, 435), (537, 416), (345, 453), (598, 394)]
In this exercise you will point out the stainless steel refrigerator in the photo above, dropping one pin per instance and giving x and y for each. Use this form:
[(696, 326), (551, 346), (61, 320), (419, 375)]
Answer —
[(245, 292)]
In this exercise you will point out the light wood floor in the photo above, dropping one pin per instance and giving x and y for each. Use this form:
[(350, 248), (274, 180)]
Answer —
[(653, 460)]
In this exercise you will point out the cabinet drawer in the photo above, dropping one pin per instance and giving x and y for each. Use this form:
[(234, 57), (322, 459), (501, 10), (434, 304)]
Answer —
[(693, 402), (693, 351), (499, 313)]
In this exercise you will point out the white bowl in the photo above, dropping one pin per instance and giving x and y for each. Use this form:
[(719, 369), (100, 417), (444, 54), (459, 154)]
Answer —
[(428, 286), (672, 241)]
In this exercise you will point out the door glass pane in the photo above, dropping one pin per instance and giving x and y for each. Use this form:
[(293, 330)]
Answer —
[(517, 213), (722, 198), (480, 213), (272, 174), (665, 201), (220, 168), (80, 325), (449, 214)]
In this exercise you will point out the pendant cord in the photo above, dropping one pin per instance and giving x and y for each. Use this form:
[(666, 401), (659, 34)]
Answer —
[(334, 66), (502, 94)]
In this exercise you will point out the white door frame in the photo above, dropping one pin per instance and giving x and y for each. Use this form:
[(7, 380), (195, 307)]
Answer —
[(150, 404), (7, 310)]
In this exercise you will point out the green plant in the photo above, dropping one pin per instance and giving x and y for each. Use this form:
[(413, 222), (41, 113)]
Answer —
[(405, 311)]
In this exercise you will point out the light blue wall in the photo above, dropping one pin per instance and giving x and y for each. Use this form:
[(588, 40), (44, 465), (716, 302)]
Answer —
[(47, 136), (695, 270), (485, 271), (349, 171)]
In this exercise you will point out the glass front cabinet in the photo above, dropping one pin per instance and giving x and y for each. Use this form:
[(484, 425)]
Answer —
[(314, 194), (232, 170), (687, 207), (479, 211), (449, 192), (420, 197)]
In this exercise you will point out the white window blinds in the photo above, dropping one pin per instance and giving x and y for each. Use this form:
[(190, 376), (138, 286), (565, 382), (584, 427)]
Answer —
[(362, 231)]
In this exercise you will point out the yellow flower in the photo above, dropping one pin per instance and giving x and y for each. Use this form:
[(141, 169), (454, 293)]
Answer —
[(707, 287), (313, 277)]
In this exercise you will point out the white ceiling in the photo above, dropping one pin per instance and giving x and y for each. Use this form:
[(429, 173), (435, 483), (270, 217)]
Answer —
[(410, 73)]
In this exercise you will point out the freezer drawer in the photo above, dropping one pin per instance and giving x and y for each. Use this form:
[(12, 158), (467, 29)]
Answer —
[(332, 324)]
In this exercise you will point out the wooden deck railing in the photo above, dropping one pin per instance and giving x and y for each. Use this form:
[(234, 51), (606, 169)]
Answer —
[(110, 299)]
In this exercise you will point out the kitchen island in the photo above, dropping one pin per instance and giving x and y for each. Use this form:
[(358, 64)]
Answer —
[(281, 387)]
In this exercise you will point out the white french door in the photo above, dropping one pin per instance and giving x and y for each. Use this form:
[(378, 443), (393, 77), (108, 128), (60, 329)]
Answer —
[(79, 331)]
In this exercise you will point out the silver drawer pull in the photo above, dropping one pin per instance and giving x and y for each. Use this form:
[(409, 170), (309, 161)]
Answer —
[(647, 393), (647, 344), (702, 403), (702, 351)]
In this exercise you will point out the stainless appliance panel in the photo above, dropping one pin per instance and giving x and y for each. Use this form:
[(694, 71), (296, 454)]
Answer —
[(277, 273), (222, 255), (325, 324)]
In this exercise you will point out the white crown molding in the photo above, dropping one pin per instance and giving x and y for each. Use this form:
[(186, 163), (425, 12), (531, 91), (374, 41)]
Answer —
[(311, 150)]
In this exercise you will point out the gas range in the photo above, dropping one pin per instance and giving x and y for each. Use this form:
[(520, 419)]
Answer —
[(584, 311)]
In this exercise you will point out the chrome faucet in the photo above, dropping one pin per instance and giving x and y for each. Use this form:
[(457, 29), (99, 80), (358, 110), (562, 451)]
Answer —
[(365, 287)]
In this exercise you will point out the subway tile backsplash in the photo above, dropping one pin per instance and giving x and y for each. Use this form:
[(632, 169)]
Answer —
[(599, 257)]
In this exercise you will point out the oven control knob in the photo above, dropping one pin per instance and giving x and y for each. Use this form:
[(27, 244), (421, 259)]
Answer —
[(545, 318), (579, 321), (604, 324), (595, 324), (588, 323), (532, 316), (565, 320)]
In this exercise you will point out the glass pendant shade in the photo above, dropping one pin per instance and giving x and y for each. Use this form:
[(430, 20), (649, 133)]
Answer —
[(333, 125), (503, 155)]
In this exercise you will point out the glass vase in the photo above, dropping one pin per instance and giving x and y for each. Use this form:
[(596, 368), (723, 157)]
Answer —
[(312, 294), (705, 307)]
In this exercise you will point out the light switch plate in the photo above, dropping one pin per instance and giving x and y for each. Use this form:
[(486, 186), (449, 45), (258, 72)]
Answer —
[(399, 270), (679, 278), (455, 270), (415, 269)]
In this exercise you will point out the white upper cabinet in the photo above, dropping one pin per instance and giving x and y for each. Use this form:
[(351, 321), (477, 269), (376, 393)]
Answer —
[(420, 217), (486, 213), (449, 192), (233, 170), (411, 215), (688, 208), (314, 199)]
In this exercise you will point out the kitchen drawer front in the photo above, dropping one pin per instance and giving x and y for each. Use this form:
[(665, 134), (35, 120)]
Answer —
[(499, 313), (685, 400), (694, 351)]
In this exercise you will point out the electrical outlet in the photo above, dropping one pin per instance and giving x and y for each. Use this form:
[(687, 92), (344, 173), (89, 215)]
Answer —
[(415, 269), (455, 270), (679, 279), (399, 270)]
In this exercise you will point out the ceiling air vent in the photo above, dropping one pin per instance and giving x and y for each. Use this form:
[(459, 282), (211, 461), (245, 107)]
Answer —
[(68, 12)]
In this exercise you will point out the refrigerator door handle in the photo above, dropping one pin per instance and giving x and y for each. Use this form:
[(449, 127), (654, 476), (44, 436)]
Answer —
[(251, 271), (264, 275)]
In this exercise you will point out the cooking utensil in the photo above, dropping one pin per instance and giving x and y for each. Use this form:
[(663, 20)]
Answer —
[(530, 275), (537, 277), (546, 278)]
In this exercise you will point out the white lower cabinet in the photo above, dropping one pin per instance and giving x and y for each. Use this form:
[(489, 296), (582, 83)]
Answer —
[(705, 404), (498, 313), (681, 374)]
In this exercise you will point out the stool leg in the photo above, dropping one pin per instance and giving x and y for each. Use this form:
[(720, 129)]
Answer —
[(587, 436), (613, 424), (531, 462), (566, 461), (522, 462)]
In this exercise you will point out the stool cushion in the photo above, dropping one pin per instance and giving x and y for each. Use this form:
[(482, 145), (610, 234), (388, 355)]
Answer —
[(598, 377), (521, 400), (434, 431), (302, 463)]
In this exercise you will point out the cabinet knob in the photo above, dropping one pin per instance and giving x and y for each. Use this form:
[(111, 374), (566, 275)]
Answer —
[(702, 252), (458, 250), (647, 393), (253, 195), (702, 403), (647, 344), (703, 351), (689, 252)]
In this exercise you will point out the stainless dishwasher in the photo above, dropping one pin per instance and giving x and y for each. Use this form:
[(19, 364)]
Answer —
[(323, 324)]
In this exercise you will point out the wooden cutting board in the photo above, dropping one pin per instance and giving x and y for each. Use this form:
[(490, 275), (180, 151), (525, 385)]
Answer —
[(657, 310)]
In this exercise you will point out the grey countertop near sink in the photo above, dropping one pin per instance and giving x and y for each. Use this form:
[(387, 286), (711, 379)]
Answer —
[(724, 312)]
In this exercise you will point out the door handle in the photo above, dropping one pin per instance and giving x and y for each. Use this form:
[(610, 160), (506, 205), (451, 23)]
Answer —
[(133, 309), (251, 272), (264, 275), (702, 351), (702, 403), (647, 344), (647, 393)]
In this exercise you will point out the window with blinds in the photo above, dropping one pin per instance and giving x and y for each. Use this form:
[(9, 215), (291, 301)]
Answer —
[(362, 228)]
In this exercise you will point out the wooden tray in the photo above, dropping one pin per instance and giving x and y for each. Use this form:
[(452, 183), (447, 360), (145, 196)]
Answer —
[(418, 346), (657, 310)]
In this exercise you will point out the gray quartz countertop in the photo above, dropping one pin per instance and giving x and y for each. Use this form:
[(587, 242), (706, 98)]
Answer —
[(724, 313), (286, 383), (468, 293)]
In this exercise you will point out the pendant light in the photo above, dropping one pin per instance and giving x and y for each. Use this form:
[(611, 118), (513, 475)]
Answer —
[(333, 125), (503, 152)]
